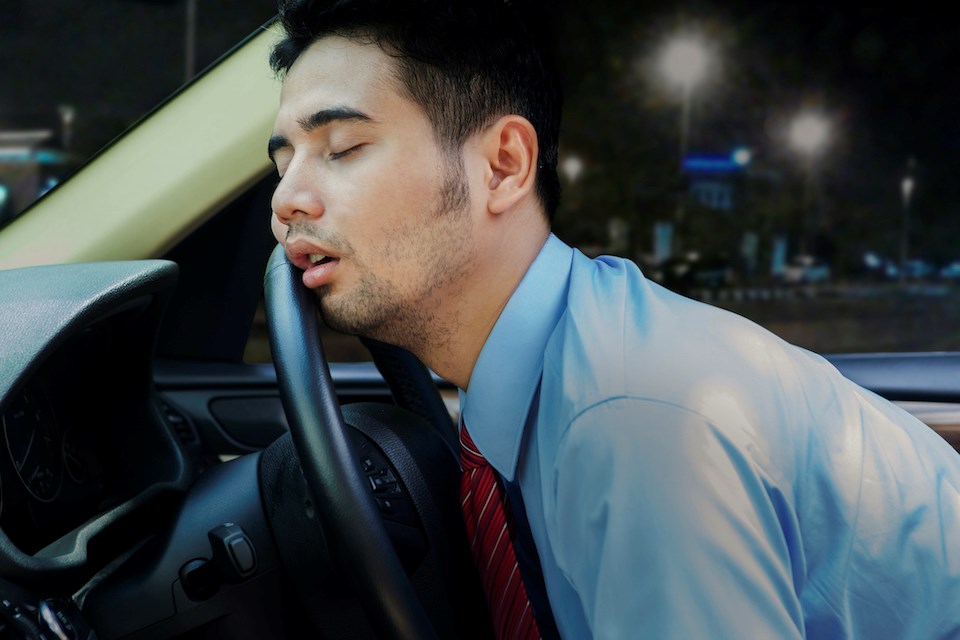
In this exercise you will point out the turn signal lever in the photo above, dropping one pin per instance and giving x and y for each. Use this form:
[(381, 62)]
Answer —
[(234, 559)]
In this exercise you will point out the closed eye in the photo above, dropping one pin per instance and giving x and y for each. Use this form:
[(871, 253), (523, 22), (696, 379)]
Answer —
[(342, 154)]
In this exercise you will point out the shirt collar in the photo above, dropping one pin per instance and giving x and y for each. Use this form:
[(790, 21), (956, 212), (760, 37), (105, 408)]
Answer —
[(508, 370)]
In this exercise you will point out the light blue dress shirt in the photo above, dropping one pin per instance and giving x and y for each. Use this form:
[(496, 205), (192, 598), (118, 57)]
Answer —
[(690, 475)]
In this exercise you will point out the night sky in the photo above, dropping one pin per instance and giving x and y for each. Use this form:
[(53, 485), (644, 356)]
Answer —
[(885, 78)]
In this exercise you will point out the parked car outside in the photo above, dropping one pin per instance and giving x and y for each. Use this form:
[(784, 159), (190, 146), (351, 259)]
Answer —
[(950, 271), (877, 267), (918, 269), (806, 269)]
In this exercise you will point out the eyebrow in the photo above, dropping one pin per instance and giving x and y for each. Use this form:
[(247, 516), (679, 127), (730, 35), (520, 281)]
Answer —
[(316, 120)]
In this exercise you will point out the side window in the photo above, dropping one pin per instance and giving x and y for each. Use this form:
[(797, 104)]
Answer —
[(789, 161)]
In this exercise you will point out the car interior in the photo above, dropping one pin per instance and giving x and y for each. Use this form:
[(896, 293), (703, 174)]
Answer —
[(157, 482)]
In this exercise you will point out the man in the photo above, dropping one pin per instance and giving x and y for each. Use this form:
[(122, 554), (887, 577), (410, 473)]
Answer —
[(684, 473)]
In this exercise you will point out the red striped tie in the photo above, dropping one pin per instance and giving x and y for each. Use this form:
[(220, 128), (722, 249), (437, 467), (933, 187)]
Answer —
[(490, 532)]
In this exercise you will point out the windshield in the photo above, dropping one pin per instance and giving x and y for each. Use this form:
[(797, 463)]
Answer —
[(75, 75), (789, 161)]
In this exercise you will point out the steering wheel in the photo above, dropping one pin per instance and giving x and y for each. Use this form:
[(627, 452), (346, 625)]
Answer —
[(340, 492)]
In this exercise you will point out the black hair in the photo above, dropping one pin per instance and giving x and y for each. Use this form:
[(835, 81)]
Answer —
[(465, 62)]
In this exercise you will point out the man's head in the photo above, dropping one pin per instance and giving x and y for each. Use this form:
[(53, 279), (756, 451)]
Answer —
[(464, 62), (412, 172)]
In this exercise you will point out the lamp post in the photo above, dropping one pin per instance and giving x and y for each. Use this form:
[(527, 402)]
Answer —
[(190, 41), (67, 116), (808, 135), (684, 63), (907, 185)]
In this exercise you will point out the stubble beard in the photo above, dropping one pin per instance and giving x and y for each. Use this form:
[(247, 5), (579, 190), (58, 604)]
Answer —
[(409, 318)]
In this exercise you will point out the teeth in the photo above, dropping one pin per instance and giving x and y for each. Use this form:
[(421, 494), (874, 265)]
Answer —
[(316, 258)]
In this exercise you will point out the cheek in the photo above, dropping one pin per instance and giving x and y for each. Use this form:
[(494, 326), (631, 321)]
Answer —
[(380, 221), (384, 250), (388, 215)]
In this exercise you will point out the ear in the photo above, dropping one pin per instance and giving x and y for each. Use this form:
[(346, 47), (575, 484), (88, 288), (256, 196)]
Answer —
[(510, 152)]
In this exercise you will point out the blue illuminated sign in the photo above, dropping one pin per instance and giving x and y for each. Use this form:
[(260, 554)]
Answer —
[(716, 163)]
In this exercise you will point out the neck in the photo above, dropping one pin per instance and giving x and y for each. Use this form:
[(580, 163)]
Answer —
[(479, 302)]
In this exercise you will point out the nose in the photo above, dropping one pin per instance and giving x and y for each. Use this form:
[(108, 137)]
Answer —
[(296, 196)]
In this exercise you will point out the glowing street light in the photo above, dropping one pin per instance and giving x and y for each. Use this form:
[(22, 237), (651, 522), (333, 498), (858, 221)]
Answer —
[(684, 62), (572, 167), (741, 156), (809, 133)]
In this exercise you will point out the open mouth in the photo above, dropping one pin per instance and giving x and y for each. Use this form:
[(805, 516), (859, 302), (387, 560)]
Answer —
[(317, 268), (317, 258)]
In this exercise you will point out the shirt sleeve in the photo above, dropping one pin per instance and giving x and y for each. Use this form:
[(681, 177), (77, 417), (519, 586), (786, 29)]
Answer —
[(665, 529)]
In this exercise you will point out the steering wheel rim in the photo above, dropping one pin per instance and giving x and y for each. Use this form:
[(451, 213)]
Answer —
[(346, 508)]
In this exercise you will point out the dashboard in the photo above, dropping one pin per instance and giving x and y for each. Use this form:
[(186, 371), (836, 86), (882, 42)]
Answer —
[(103, 506), (83, 440), (64, 447)]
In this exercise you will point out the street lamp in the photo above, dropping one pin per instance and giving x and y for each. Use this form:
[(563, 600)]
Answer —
[(684, 63), (809, 134), (67, 116), (907, 185), (190, 41)]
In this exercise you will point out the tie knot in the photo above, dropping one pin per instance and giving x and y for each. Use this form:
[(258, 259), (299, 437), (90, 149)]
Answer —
[(470, 457)]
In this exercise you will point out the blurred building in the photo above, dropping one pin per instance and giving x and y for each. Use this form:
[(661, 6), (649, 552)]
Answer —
[(31, 163)]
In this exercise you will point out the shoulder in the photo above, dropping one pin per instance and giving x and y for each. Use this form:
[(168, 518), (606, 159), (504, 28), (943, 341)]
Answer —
[(623, 335), (637, 357)]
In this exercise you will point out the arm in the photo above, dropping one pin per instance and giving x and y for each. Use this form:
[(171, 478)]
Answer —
[(666, 530)]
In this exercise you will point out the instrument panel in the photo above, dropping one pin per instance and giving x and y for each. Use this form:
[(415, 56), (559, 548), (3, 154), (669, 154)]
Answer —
[(88, 462), (52, 473), (33, 441)]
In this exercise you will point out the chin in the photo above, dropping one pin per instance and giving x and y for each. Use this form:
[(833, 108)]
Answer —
[(334, 320), (366, 312), (340, 317)]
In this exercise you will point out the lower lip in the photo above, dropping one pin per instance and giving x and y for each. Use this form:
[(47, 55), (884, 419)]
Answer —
[(320, 274)]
